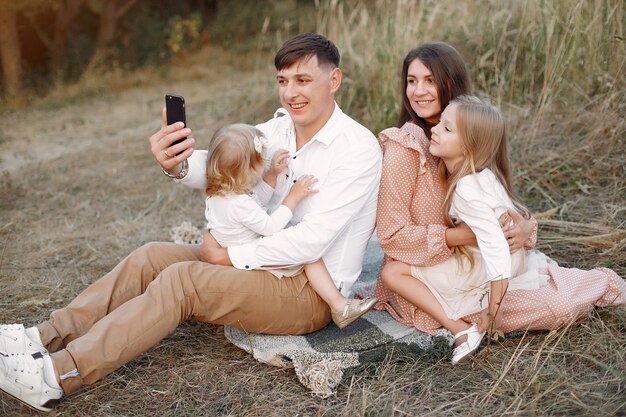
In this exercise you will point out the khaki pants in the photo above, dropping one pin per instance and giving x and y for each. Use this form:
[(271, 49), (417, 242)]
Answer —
[(157, 287)]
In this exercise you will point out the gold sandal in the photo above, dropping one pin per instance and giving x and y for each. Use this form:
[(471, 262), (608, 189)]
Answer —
[(351, 312)]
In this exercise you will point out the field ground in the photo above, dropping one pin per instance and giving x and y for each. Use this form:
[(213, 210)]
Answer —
[(80, 190)]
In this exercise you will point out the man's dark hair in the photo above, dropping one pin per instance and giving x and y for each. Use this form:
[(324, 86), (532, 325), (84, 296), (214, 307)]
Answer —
[(305, 46)]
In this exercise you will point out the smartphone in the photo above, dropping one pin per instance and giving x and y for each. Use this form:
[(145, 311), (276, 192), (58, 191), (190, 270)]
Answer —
[(175, 108)]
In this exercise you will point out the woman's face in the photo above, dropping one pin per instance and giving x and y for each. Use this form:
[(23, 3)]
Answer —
[(421, 90)]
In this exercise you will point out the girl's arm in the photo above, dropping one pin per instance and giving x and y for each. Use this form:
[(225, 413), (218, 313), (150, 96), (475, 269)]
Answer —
[(299, 191), (265, 189), (474, 202), (254, 217), (249, 213), (277, 165)]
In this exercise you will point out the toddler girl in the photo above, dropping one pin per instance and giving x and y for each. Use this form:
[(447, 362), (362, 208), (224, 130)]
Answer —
[(235, 214)]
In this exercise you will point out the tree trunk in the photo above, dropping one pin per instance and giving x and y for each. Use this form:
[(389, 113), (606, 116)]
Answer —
[(66, 13), (110, 14), (10, 52)]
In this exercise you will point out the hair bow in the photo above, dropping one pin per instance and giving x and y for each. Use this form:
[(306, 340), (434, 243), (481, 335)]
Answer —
[(260, 143)]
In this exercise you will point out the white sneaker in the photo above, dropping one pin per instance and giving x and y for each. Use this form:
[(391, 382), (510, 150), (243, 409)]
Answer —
[(13, 339), (21, 376)]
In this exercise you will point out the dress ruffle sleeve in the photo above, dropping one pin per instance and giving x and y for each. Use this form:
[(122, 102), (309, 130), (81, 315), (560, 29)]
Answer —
[(410, 223), (406, 140)]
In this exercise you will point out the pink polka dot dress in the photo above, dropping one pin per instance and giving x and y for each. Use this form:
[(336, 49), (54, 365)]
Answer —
[(411, 229)]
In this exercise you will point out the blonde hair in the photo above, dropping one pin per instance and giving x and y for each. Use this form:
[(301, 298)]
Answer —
[(233, 160), (482, 132)]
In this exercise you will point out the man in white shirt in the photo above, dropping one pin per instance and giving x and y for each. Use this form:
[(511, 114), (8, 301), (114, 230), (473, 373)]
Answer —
[(160, 285)]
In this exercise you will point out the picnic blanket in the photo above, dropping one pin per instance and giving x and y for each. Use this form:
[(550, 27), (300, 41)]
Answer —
[(323, 358)]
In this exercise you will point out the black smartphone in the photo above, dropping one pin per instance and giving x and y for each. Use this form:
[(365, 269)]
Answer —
[(175, 108)]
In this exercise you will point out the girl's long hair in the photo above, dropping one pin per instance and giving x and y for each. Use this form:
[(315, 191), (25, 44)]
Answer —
[(481, 129), (449, 72), (233, 161)]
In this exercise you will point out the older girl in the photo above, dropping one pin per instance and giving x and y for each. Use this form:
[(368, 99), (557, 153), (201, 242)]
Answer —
[(412, 220)]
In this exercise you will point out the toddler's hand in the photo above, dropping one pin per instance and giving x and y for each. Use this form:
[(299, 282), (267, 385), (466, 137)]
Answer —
[(300, 189), (279, 162)]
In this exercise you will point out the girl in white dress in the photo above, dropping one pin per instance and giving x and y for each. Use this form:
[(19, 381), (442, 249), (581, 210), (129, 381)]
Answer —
[(471, 144), (239, 186)]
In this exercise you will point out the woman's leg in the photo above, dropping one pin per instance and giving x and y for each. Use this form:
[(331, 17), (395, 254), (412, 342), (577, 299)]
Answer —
[(127, 280), (397, 277)]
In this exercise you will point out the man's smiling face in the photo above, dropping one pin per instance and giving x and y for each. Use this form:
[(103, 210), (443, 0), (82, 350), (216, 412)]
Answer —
[(306, 89)]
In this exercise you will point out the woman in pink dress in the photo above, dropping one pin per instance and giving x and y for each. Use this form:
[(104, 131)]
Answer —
[(411, 223)]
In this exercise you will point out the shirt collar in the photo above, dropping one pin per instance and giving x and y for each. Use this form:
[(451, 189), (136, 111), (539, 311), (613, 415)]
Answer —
[(328, 132), (331, 129)]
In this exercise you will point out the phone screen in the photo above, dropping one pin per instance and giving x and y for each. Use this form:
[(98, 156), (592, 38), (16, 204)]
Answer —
[(175, 108)]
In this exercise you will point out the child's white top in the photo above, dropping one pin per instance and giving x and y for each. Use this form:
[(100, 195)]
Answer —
[(478, 201), (236, 219)]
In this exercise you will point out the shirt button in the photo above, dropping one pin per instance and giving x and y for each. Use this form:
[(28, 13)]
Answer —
[(294, 157), (247, 267), (294, 181)]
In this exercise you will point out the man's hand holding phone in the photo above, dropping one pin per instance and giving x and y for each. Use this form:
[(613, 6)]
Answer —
[(164, 148)]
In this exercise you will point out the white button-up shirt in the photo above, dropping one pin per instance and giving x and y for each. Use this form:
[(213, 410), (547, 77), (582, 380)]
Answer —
[(334, 224)]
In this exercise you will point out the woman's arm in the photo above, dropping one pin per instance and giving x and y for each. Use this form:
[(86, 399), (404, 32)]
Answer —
[(460, 235), (398, 235)]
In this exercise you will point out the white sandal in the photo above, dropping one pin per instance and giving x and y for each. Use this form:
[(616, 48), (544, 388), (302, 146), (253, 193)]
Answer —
[(462, 351)]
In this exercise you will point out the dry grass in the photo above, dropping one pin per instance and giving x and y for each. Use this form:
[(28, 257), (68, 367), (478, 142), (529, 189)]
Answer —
[(80, 191)]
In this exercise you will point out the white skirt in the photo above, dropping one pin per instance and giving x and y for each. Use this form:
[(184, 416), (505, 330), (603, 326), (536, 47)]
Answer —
[(462, 291)]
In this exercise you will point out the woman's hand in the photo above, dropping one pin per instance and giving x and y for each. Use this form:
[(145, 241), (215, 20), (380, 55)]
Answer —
[(211, 252), (167, 155), (517, 230)]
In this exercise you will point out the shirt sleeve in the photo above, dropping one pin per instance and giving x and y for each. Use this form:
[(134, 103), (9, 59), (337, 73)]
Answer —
[(470, 204), (196, 176), (263, 193), (345, 193), (248, 213), (398, 236)]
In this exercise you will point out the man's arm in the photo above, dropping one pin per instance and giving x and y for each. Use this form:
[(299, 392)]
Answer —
[(210, 251)]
